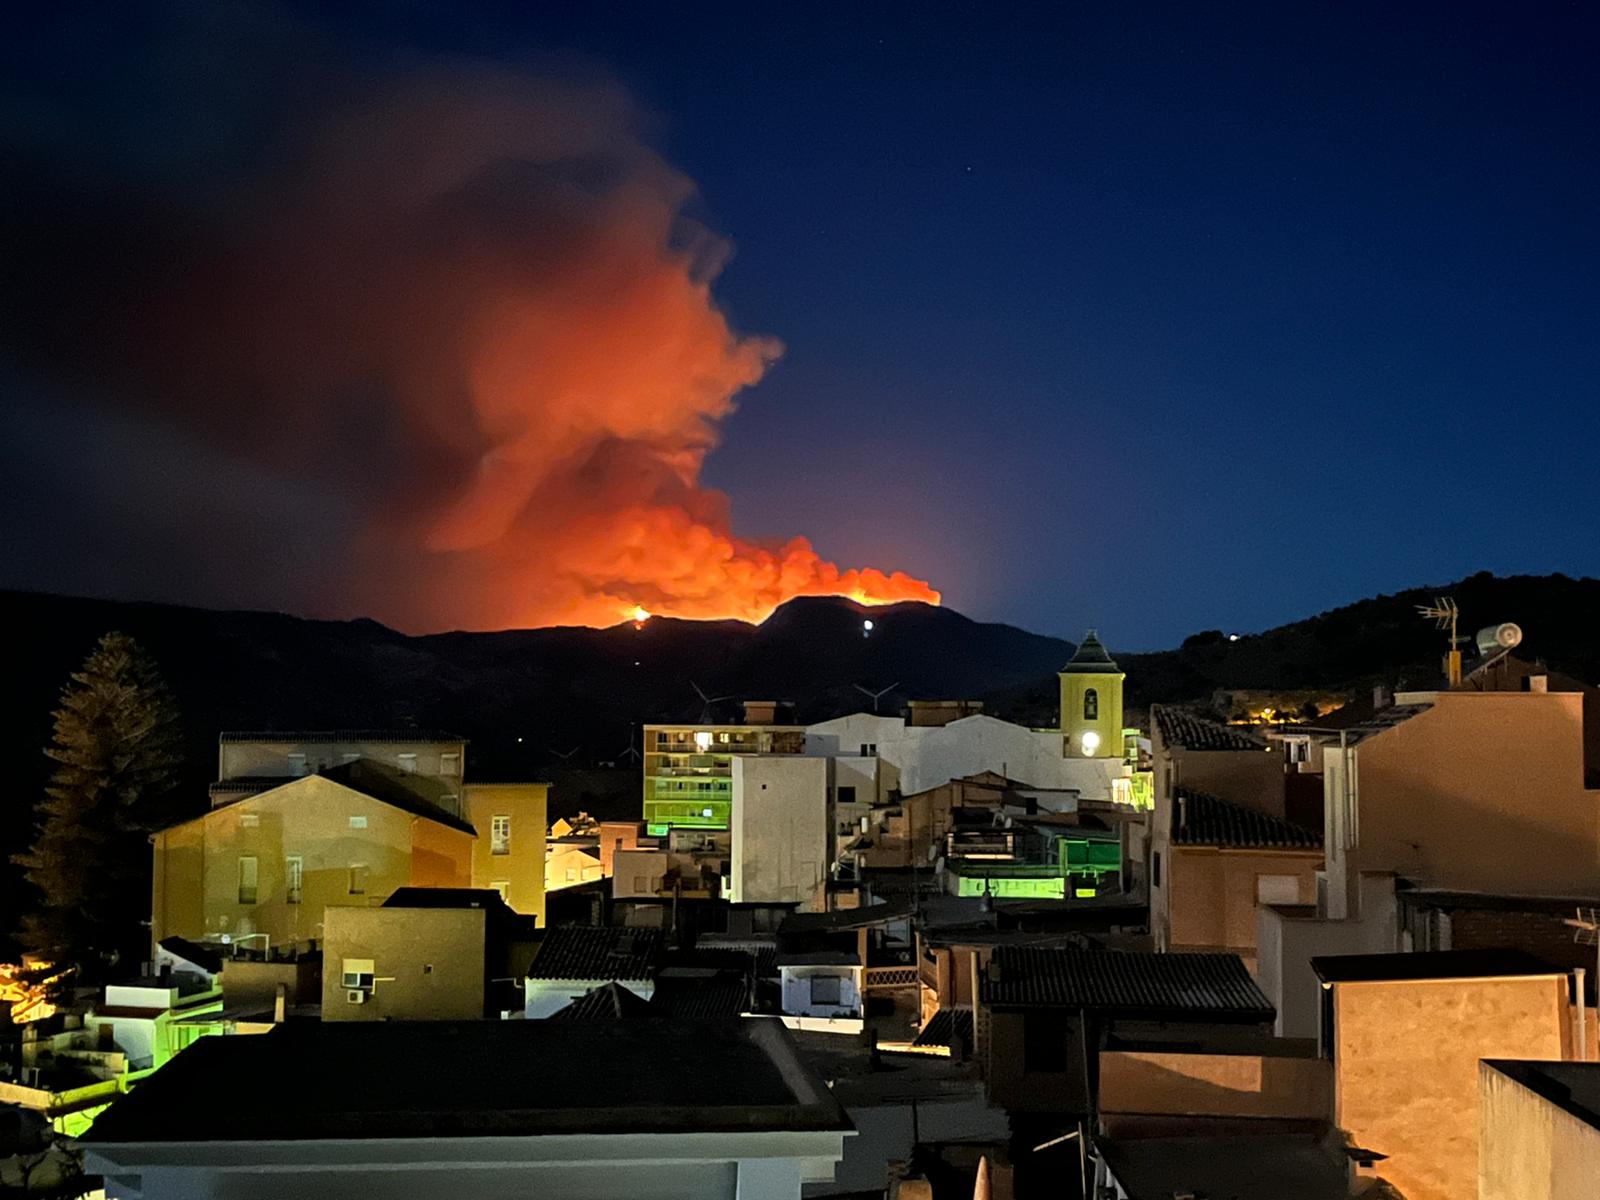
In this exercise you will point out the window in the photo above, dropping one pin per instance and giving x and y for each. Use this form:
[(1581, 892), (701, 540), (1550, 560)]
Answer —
[(825, 989), (358, 822), (572, 874), (293, 876), (357, 973), (1044, 1044), (1296, 750), (358, 879), (500, 834), (247, 879), (868, 749), (449, 764), (408, 763), (1155, 869), (847, 795), (503, 886), (1091, 705)]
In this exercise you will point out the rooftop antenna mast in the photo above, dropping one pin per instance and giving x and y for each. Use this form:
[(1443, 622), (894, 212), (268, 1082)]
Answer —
[(1443, 613), (876, 696)]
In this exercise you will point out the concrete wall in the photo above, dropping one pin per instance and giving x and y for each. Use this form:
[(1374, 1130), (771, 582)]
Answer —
[(196, 880), (1482, 792), (521, 868), (1288, 939), (428, 963), (1530, 1149), (1405, 1058), (1149, 1083), (781, 829), (1209, 895), (639, 874), (796, 990)]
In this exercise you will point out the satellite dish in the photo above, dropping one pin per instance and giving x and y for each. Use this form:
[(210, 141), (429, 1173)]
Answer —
[(1495, 639)]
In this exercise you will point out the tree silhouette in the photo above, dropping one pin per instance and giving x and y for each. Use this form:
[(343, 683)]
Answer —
[(117, 749)]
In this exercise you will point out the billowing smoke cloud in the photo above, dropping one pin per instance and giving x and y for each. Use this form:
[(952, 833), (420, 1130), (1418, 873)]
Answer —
[(436, 342)]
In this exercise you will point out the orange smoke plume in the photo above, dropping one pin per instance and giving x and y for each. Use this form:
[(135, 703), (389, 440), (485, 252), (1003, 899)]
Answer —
[(447, 346)]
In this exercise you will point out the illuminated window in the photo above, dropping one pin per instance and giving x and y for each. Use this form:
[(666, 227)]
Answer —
[(500, 834), (247, 879), (1091, 705), (358, 879), (825, 989), (358, 822), (724, 738), (449, 764), (293, 875), (408, 763)]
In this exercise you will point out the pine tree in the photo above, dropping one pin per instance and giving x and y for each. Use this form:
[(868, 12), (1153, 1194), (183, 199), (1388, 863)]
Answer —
[(118, 749)]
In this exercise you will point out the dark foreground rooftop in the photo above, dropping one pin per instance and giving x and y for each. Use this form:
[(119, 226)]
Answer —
[(1260, 1167), (1179, 987), (437, 1079), (1428, 964)]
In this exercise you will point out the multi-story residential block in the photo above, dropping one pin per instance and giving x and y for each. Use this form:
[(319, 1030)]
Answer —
[(688, 769), (265, 866)]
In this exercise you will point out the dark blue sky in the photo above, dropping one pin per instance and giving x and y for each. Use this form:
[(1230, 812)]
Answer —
[(1154, 318), (1151, 317)]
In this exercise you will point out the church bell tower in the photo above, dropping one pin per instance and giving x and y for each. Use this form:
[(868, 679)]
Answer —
[(1091, 703)]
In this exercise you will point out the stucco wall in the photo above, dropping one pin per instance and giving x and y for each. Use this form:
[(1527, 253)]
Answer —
[(1406, 1067), (1482, 792), (523, 866), (1529, 1148), (197, 864), (796, 991), (1214, 1085), (1288, 939), (428, 962), (781, 830), (1212, 894)]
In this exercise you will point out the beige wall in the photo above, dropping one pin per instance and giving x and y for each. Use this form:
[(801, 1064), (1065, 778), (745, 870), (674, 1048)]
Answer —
[(1530, 1149), (1209, 895), (197, 864), (428, 963), (1405, 1057), (568, 866), (1214, 1085), (522, 868), (1483, 792), (780, 829)]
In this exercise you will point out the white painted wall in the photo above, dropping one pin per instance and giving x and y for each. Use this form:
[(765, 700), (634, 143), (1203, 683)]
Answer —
[(781, 829), (796, 982), (924, 757), (1286, 943)]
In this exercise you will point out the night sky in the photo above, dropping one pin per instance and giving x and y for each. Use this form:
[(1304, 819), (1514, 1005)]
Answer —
[(1154, 318)]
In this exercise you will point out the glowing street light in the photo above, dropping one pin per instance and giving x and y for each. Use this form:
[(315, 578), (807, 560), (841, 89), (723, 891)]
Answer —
[(1090, 742)]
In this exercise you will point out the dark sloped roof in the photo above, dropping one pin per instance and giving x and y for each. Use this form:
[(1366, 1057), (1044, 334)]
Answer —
[(1189, 731), (207, 958), (447, 1079), (942, 1025), (372, 781), (719, 997), (608, 1002), (1194, 987), (317, 736), (1200, 819), (763, 951), (1428, 964), (1091, 658), (591, 952)]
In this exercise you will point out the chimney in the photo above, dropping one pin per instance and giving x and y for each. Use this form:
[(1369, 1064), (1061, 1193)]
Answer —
[(1538, 683), (280, 1005)]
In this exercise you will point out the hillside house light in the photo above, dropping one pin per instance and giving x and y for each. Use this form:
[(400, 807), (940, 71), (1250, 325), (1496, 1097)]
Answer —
[(1090, 742)]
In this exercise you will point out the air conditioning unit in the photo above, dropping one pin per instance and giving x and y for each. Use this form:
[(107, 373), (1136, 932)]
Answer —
[(356, 996)]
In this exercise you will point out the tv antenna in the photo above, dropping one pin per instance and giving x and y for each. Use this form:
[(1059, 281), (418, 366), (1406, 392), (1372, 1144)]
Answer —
[(1444, 613), (706, 715), (876, 696)]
